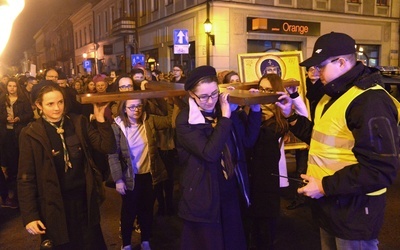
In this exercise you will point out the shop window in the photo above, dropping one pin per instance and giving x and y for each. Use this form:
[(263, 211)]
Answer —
[(368, 54), (256, 46), (188, 61)]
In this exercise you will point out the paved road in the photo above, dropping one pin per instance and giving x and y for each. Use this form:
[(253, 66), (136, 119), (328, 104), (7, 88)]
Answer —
[(295, 231)]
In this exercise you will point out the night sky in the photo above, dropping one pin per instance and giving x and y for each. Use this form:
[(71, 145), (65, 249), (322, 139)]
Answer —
[(35, 14)]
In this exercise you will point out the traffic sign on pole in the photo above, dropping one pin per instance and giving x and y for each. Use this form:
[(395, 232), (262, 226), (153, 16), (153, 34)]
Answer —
[(181, 41)]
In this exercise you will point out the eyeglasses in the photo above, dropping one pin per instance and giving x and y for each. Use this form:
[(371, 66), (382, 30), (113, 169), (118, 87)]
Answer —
[(321, 66), (266, 90), (126, 87), (54, 77), (176, 70), (135, 107), (205, 98)]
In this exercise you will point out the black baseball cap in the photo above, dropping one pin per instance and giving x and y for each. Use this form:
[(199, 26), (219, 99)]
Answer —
[(329, 45)]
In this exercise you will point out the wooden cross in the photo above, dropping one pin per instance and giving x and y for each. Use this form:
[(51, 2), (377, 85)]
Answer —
[(240, 95)]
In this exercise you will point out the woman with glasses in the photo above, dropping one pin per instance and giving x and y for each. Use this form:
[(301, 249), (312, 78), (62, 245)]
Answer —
[(211, 139), (178, 76), (136, 166)]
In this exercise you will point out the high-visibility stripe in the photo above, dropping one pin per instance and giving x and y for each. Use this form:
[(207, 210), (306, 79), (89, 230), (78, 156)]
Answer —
[(333, 141)]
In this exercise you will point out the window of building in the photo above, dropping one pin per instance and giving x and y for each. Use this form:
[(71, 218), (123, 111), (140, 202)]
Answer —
[(80, 38), (76, 40), (321, 5), (382, 2), (120, 10), (99, 23), (354, 7), (168, 2), (154, 5), (188, 61), (112, 13), (142, 8), (368, 54), (106, 21), (90, 33), (132, 9), (256, 46), (286, 3), (84, 35)]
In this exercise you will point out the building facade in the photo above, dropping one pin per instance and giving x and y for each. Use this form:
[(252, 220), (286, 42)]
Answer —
[(109, 32)]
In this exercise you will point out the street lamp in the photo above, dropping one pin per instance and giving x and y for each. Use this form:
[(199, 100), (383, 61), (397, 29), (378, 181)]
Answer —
[(84, 55), (207, 30)]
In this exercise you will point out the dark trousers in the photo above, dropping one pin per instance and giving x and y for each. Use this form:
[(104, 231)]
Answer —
[(165, 189), (262, 233), (9, 159), (138, 202), (228, 233), (81, 236)]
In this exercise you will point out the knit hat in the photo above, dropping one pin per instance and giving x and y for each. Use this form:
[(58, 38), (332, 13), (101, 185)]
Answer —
[(99, 78), (329, 45), (197, 74), (38, 87)]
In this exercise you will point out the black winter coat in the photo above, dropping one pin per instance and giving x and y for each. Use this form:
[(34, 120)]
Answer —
[(199, 149), (39, 191)]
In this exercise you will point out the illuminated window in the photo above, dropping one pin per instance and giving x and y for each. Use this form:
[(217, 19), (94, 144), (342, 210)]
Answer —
[(354, 1)]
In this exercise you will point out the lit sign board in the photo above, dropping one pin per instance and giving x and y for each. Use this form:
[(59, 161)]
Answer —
[(287, 27)]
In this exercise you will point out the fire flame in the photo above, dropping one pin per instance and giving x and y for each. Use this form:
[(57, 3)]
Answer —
[(8, 13)]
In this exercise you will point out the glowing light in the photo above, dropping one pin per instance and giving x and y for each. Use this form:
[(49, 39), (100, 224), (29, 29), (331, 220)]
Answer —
[(9, 12)]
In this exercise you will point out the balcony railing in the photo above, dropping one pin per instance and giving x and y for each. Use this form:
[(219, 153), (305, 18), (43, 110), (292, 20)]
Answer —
[(123, 26)]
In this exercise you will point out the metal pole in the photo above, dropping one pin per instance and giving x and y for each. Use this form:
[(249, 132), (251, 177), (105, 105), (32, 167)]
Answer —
[(208, 38)]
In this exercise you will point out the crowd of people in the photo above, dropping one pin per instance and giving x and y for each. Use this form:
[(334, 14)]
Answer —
[(57, 154)]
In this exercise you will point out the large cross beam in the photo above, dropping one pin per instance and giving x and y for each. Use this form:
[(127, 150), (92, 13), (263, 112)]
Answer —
[(240, 95)]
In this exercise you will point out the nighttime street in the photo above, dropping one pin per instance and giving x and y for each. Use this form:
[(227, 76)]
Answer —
[(193, 102), (295, 228)]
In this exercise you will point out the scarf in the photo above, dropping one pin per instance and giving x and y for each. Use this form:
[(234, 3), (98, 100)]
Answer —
[(60, 131)]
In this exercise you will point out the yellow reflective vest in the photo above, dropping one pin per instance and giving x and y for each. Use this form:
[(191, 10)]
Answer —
[(331, 141)]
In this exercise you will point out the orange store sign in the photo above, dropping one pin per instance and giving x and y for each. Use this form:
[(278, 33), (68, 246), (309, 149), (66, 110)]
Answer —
[(278, 26)]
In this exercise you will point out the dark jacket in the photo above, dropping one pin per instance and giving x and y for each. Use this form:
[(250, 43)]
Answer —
[(39, 191), (21, 108), (346, 211), (199, 147), (263, 162)]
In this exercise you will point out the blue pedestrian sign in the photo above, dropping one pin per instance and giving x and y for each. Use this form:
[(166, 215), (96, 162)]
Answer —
[(181, 37), (137, 58)]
